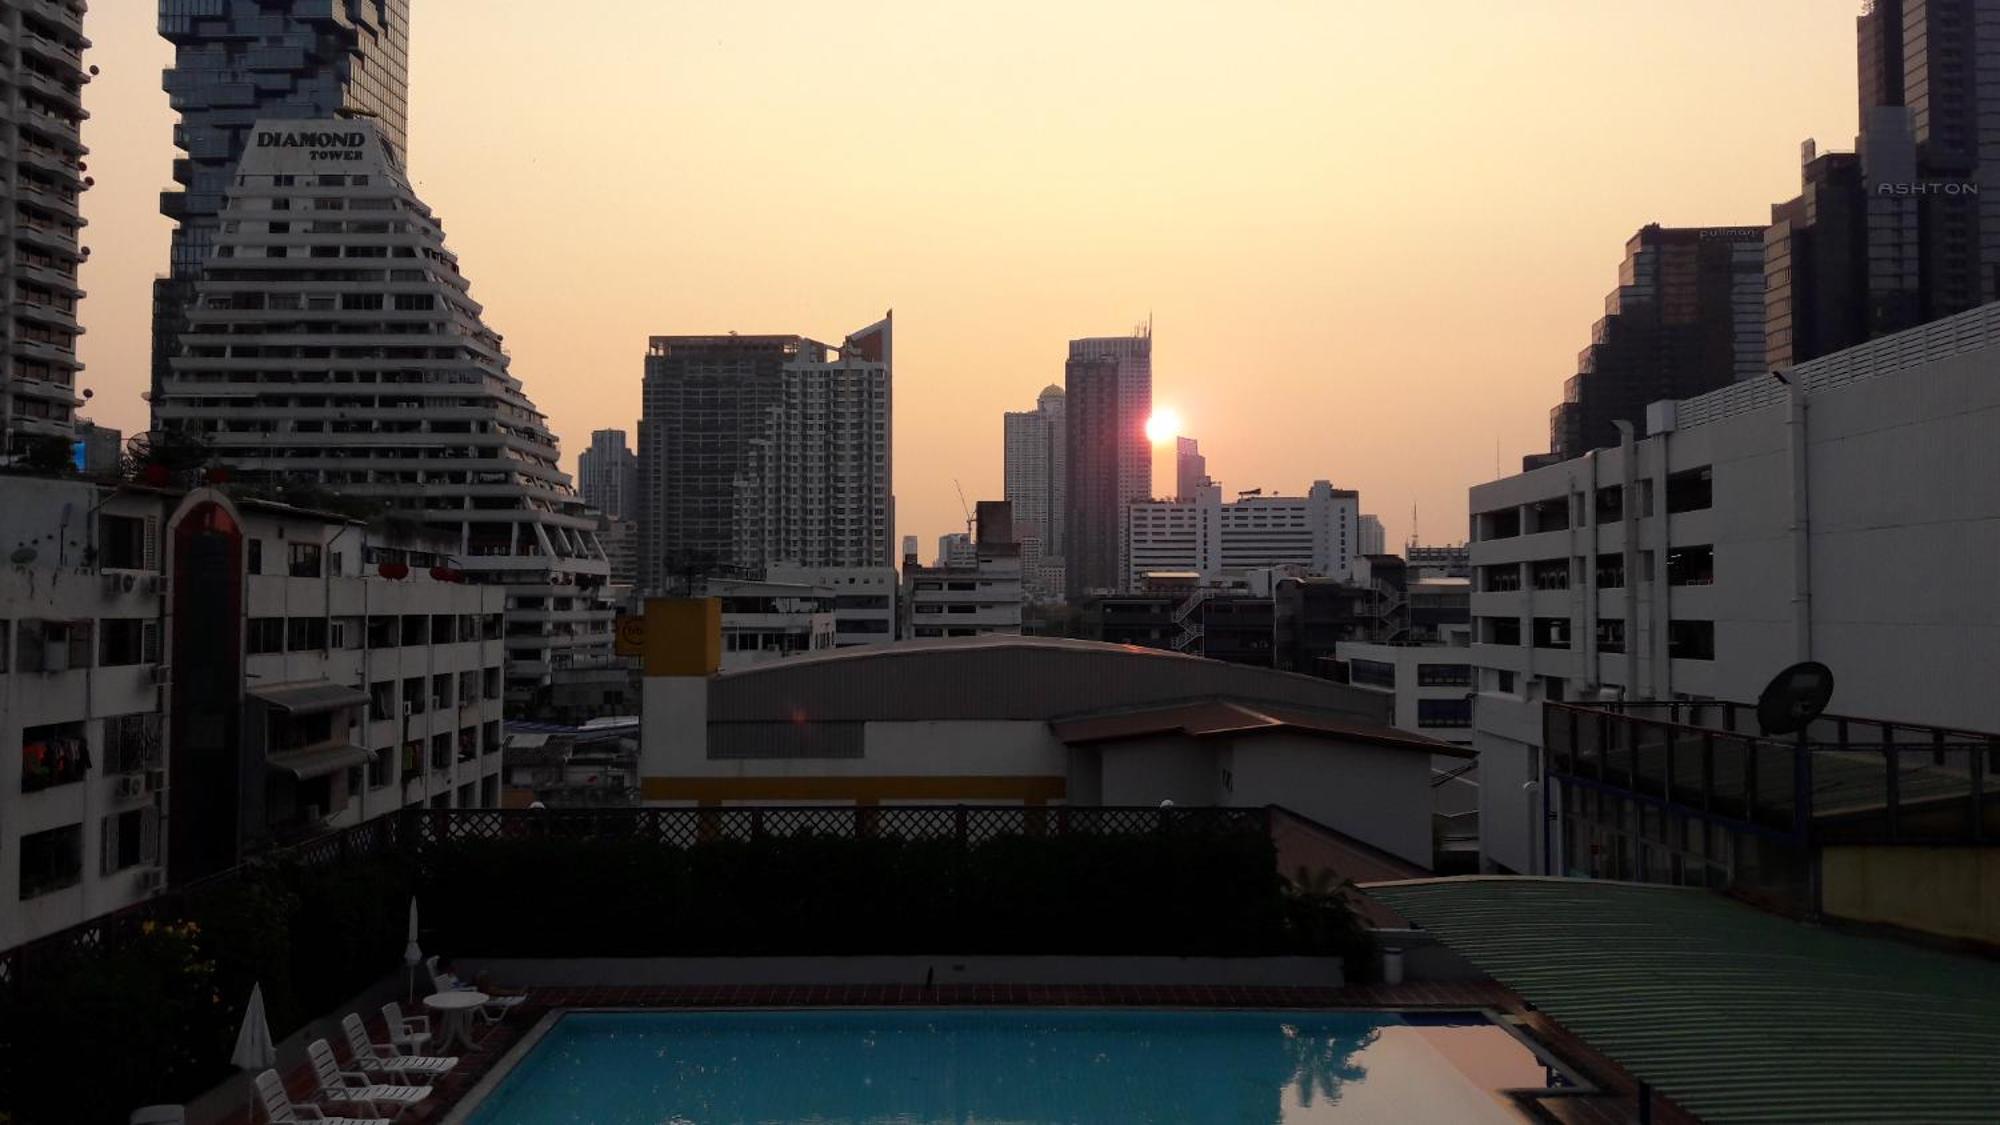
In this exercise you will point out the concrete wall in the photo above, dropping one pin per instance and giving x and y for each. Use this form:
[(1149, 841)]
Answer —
[(1954, 892), (1167, 767), (1376, 795)]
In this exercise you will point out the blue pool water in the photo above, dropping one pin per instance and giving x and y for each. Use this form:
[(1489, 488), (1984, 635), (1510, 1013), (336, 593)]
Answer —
[(1018, 1066)]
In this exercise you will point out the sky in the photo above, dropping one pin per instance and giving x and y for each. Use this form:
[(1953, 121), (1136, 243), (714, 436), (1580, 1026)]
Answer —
[(1372, 237)]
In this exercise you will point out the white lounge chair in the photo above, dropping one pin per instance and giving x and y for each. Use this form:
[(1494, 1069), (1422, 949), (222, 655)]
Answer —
[(407, 1034), (493, 1011), (373, 1058), (280, 1109), (351, 1087)]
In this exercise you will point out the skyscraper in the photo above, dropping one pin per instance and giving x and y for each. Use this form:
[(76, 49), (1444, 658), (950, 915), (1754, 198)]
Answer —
[(1687, 317), (815, 489), (239, 61), (721, 415), (1190, 468), (1898, 233), (608, 474), (41, 92), (1034, 455), (345, 354), (1108, 394)]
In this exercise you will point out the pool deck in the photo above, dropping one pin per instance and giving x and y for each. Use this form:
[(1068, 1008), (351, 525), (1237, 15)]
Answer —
[(1614, 1105)]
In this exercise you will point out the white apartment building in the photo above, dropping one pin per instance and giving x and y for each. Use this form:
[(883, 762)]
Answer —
[(191, 678), (1034, 471), (763, 621), (41, 165), (1849, 514), (968, 600), (864, 599), (1319, 531), (816, 484), (607, 475), (334, 343), (1430, 686), (955, 549), (1372, 537)]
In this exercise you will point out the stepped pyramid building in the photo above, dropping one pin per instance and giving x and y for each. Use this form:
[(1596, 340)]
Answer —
[(333, 342)]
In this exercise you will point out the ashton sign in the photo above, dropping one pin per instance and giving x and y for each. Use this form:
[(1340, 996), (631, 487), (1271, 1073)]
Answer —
[(321, 145)]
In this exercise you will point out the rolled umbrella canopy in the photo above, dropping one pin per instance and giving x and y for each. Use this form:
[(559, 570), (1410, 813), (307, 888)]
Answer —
[(411, 954), (254, 1051)]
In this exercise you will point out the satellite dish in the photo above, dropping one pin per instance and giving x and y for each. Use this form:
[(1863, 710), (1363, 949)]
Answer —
[(1795, 697), (22, 556)]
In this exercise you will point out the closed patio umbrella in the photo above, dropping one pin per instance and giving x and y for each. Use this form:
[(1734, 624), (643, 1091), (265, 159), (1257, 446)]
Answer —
[(254, 1051), (412, 955)]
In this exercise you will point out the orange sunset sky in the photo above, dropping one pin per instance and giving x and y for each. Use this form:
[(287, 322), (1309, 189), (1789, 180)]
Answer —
[(1372, 236)]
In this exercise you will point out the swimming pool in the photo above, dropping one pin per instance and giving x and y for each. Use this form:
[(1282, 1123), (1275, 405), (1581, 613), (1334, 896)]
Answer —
[(1023, 1066)]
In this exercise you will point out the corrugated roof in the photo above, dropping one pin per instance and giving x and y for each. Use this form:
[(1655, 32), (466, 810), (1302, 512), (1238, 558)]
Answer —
[(1222, 717), (318, 761), (306, 697), (1735, 1014), (1008, 678)]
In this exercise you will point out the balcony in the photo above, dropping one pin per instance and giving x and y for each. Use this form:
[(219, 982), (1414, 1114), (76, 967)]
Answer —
[(53, 755)]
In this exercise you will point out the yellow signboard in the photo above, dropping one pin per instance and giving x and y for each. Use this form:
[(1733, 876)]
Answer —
[(631, 636)]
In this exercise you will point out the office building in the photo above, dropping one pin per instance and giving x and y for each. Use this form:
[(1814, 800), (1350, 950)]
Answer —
[(620, 541), (973, 594), (1035, 476), (237, 62), (954, 548), (607, 475), (1760, 524), (1895, 234), (102, 449), (40, 147), (763, 621), (764, 450), (1318, 532), (1190, 468), (1687, 316), (1108, 462), (864, 599), (334, 348), (1371, 536)]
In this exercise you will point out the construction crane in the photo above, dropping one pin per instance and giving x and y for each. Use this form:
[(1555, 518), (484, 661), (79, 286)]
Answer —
[(963, 506)]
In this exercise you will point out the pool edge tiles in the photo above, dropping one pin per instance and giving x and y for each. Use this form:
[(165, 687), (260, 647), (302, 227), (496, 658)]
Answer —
[(1400, 1045)]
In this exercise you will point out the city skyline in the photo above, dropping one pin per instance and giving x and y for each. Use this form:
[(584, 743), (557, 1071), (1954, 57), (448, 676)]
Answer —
[(1474, 191)]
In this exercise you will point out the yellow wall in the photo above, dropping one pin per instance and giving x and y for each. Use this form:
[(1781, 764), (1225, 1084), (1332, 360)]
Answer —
[(1953, 892), (683, 636)]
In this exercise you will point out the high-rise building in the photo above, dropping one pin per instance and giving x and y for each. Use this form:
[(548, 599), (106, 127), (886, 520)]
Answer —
[(1687, 317), (1897, 233), (1373, 539), (345, 354), (41, 91), (1318, 533), (720, 416), (237, 62), (608, 475), (1034, 470), (1190, 468), (815, 489), (954, 549), (1108, 463)]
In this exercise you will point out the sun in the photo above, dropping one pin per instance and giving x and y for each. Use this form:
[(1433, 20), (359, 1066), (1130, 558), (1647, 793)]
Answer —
[(1163, 426)]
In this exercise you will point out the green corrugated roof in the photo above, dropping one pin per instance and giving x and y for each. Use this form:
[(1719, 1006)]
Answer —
[(1735, 1014)]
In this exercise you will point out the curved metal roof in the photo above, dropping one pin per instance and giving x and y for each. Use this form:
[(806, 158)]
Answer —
[(1735, 1014), (1005, 677)]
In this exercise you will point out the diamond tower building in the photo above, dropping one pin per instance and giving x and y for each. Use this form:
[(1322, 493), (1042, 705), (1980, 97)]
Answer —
[(333, 343), (239, 61)]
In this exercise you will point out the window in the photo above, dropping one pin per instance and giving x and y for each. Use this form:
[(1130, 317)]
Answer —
[(52, 755), (131, 839), (1691, 491), (1444, 675), (1500, 578), (381, 767), (440, 691), (127, 640), (256, 563), (1610, 635), (1610, 572), (1551, 632), (264, 635), (382, 700), (1444, 712), (1691, 640), (51, 860), (1500, 630), (122, 542), (1552, 574), (1503, 681), (1691, 566), (303, 634), (1552, 688), (416, 627), (305, 560), (441, 629), (1375, 673)]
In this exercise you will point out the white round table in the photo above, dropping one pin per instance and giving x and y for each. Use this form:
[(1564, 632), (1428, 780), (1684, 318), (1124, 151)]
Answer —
[(454, 1009)]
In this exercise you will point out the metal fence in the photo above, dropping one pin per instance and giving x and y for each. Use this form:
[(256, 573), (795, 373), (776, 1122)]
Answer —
[(411, 832)]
